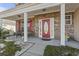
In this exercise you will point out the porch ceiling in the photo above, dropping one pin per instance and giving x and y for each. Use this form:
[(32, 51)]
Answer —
[(70, 7)]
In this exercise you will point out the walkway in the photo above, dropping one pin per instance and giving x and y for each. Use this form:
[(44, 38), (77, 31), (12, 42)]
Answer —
[(38, 48)]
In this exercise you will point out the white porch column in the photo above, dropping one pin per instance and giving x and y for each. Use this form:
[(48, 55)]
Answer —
[(25, 27), (62, 13)]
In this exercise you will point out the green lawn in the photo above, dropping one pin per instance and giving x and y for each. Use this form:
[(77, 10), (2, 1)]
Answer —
[(60, 51)]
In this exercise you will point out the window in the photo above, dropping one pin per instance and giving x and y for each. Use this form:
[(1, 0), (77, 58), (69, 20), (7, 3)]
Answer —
[(68, 19)]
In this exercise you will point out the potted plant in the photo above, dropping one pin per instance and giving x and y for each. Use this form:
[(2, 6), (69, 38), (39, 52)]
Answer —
[(67, 37)]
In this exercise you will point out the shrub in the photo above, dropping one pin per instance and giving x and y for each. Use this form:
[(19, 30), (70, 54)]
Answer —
[(10, 48), (69, 37), (3, 33), (60, 51)]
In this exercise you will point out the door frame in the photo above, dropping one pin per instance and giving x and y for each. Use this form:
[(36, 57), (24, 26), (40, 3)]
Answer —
[(40, 27)]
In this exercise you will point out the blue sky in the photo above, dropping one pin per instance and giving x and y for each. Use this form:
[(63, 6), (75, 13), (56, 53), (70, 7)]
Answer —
[(5, 6)]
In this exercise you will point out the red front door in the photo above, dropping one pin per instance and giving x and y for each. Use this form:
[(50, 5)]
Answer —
[(46, 28)]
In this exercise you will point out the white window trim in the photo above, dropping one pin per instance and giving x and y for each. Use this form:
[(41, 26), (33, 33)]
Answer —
[(69, 19)]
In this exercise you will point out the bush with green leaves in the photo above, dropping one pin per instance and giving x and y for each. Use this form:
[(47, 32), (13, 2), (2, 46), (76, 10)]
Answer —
[(3, 33), (60, 51), (10, 49)]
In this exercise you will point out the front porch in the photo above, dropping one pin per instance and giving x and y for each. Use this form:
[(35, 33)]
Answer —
[(27, 12), (55, 11)]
